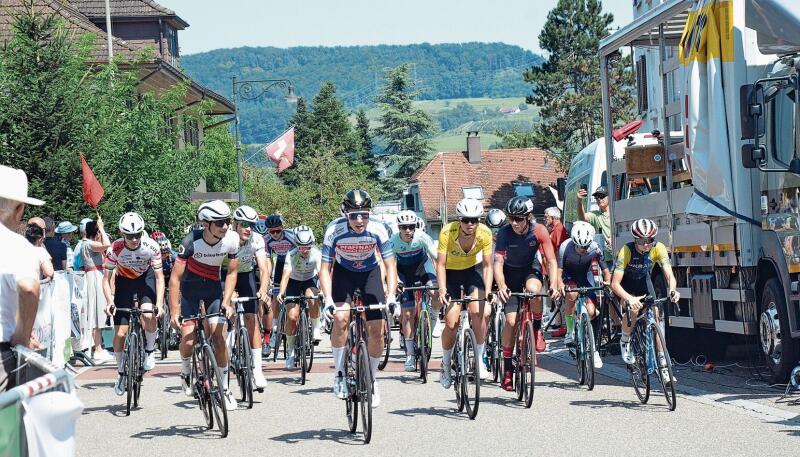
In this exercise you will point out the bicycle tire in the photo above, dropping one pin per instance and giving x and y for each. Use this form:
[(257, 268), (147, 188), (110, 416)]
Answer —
[(387, 341), (579, 349), (365, 391), (639, 376), (668, 387), (199, 381), (245, 367), (471, 375), (456, 373), (528, 365), (132, 347), (278, 335), (498, 360), (351, 378), (301, 346), (424, 345), (163, 337), (518, 355), (588, 350), (216, 393), (310, 343), (139, 372)]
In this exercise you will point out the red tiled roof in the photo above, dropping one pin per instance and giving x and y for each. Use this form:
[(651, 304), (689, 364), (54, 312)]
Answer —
[(498, 170)]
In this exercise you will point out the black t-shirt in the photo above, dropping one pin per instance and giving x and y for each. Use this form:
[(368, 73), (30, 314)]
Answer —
[(57, 250)]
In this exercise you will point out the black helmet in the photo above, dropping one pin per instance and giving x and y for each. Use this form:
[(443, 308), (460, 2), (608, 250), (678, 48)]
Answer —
[(519, 206), (356, 199), (274, 220), (601, 190)]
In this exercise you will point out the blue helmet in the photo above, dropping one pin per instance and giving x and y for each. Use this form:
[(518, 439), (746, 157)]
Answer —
[(261, 225)]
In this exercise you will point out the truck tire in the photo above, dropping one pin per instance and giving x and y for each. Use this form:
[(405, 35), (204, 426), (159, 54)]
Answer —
[(779, 349)]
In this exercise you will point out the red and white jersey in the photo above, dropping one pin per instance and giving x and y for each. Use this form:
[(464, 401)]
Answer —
[(204, 260), (131, 264)]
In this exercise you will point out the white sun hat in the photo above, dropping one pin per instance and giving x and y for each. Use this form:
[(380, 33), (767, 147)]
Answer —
[(14, 186)]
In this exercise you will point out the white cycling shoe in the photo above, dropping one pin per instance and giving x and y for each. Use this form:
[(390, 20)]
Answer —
[(119, 386), (340, 387), (259, 381), (445, 377), (186, 385), (149, 361), (598, 361), (317, 337), (376, 395), (411, 363), (437, 328), (230, 402), (626, 352)]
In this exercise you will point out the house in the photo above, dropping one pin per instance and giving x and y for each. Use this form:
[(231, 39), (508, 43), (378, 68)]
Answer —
[(492, 176), (139, 28), (506, 110)]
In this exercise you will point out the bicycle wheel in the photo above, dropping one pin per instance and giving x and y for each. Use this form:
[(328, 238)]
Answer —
[(310, 343), (216, 393), (579, 351), (387, 341), (472, 380), (639, 376), (497, 367), (130, 368), (200, 382), (518, 356), (667, 385), (139, 373), (244, 371), (457, 373), (278, 335), (365, 391), (423, 345), (163, 335), (351, 378), (528, 365), (588, 350), (301, 344)]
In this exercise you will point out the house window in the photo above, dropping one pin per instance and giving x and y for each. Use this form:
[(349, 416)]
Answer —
[(475, 192), (172, 45), (410, 202), (191, 133), (524, 189)]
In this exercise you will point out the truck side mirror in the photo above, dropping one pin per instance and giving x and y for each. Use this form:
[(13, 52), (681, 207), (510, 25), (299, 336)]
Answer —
[(561, 187), (751, 118), (752, 155)]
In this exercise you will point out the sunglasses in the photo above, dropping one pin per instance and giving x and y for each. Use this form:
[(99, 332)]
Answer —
[(408, 227), (245, 224), (643, 241), (133, 237), (275, 231), (517, 218), (355, 215), (470, 220), (222, 223)]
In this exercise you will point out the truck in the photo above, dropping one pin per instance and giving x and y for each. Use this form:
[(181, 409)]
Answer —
[(717, 82)]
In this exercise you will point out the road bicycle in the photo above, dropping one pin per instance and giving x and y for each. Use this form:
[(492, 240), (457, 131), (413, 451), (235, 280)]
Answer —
[(494, 346), (303, 343), (134, 354), (423, 334), (524, 357), (585, 347), (464, 368), (241, 354)]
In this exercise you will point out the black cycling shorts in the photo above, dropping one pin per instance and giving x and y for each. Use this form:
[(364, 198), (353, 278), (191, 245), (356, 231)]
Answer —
[(345, 282), (471, 278), (124, 289), (246, 287), (296, 288), (410, 275), (200, 289), (515, 282)]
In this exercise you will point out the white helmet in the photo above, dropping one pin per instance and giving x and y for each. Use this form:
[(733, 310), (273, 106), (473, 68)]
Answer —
[(131, 224), (303, 235), (582, 234), (407, 217), (213, 210), (495, 218), (644, 228), (469, 207), (245, 213)]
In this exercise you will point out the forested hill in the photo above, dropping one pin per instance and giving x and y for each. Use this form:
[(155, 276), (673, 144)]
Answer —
[(442, 71)]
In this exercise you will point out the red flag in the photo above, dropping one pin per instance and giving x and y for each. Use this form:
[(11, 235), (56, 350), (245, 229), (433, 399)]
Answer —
[(92, 190), (281, 150)]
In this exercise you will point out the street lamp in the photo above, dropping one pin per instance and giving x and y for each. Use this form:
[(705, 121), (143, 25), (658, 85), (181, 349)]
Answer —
[(251, 90)]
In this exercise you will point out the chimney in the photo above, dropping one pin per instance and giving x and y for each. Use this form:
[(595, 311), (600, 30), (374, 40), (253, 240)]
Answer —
[(473, 147)]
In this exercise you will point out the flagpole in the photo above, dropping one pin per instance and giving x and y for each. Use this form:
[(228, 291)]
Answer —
[(444, 192), (108, 32)]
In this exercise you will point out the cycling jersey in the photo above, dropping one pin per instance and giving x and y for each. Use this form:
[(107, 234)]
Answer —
[(168, 262), (131, 264), (457, 259), (203, 260), (519, 251), (636, 267), (303, 268), (419, 249), (277, 250), (578, 267), (356, 251), (247, 254)]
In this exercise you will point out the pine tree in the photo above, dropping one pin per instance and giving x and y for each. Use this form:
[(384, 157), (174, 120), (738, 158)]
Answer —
[(362, 127), (328, 123), (567, 86)]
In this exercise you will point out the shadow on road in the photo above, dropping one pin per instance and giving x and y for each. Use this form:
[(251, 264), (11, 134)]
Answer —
[(96, 385), (449, 413), (632, 405), (315, 390), (327, 434), (114, 410), (188, 431)]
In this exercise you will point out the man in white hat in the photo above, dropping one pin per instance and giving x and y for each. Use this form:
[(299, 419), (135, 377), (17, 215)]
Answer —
[(19, 273)]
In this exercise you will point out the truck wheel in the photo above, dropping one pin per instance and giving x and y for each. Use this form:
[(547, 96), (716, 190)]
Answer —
[(779, 349)]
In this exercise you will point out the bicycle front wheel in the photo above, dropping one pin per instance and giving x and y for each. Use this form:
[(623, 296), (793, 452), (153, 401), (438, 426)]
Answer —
[(497, 361), (351, 378), (588, 350), (423, 345), (310, 344), (667, 385), (471, 384), (278, 335), (528, 366), (215, 390), (580, 349), (302, 344), (365, 391), (245, 369), (639, 376), (387, 341), (130, 368), (200, 382), (163, 336)]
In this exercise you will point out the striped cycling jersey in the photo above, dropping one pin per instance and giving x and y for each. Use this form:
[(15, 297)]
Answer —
[(420, 248), (203, 260), (356, 251), (131, 264)]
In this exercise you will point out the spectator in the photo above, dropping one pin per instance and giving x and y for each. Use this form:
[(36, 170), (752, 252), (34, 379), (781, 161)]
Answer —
[(19, 281), (34, 232), (552, 220), (56, 249), (78, 261), (600, 219), (64, 231), (94, 244)]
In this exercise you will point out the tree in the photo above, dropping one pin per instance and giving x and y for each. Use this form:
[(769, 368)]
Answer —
[(329, 124), (406, 130), (567, 85), (219, 154), (516, 138), (362, 128)]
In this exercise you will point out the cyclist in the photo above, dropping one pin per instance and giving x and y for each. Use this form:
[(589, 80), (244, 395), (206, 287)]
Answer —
[(251, 253), (300, 277), (495, 218), (416, 255), (458, 264), (349, 262), (517, 268), (575, 260), (137, 262), (632, 280), (196, 277), (167, 254), (279, 241)]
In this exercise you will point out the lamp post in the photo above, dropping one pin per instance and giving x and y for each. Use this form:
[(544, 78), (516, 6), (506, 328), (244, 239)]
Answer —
[(250, 90)]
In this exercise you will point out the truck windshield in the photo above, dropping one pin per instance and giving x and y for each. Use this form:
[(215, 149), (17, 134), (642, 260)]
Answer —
[(777, 23)]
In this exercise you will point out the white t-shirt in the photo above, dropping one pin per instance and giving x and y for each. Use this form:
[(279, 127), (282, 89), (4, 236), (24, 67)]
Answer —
[(42, 255), (19, 261), (303, 268)]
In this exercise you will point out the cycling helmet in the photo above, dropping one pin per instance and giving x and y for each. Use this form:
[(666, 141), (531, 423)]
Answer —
[(495, 218), (157, 235), (303, 235), (519, 206), (261, 224), (274, 220), (582, 234), (407, 217), (469, 207), (213, 210), (165, 244), (356, 199), (131, 224), (644, 228), (245, 213)]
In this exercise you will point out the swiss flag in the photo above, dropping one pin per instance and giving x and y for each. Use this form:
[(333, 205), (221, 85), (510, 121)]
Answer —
[(281, 150), (92, 190)]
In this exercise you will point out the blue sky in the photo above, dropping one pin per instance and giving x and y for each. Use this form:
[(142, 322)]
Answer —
[(232, 23)]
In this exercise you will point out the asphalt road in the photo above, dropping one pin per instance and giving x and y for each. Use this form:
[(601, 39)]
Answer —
[(420, 419)]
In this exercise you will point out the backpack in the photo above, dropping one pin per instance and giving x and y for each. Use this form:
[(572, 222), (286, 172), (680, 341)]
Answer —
[(77, 260)]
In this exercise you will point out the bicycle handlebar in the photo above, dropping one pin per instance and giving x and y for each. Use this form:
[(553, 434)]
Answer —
[(301, 298), (198, 317), (527, 294), (360, 308), (135, 310), (412, 288), (244, 299), (584, 290), (463, 301)]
